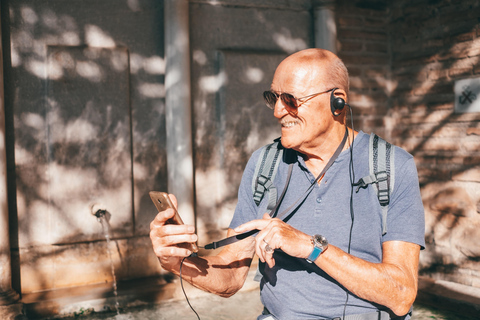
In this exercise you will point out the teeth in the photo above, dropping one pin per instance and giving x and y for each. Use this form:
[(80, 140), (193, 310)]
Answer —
[(288, 124)]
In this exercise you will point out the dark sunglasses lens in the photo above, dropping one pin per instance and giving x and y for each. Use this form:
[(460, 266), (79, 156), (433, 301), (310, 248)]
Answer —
[(270, 99), (289, 100)]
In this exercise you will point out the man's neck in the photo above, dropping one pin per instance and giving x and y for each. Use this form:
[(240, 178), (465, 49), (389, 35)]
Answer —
[(317, 158)]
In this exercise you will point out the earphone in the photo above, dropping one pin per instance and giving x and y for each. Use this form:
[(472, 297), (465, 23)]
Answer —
[(336, 103)]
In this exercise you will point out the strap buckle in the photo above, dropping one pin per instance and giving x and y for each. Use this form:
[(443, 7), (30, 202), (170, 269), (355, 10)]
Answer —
[(383, 188), (265, 184), (381, 176)]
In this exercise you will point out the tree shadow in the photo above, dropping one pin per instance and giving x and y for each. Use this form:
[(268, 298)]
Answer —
[(87, 131), (425, 65), (85, 120)]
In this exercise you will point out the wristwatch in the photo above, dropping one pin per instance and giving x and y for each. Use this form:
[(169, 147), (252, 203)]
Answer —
[(320, 244)]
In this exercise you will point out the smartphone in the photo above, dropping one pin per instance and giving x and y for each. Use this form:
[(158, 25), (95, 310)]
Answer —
[(162, 202)]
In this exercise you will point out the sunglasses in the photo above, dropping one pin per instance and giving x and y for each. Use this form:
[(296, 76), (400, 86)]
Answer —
[(287, 99)]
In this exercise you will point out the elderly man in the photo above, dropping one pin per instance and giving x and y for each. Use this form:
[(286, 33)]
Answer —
[(331, 257)]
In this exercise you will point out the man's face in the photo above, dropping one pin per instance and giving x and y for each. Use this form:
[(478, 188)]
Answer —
[(307, 127)]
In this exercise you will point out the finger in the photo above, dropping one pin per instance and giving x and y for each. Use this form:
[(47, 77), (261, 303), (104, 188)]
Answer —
[(167, 252), (268, 249), (270, 261), (261, 242), (252, 225), (162, 217), (269, 258), (174, 240), (172, 245), (173, 199), (260, 249), (263, 248), (171, 230)]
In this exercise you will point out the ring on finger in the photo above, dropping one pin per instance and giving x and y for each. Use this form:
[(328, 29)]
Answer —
[(268, 249)]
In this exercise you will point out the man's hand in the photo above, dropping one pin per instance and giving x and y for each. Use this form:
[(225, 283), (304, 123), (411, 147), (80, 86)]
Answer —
[(169, 240), (277, 235)]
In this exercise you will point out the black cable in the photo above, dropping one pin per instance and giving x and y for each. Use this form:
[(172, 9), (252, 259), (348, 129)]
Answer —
[(352, 181), (181, 283)]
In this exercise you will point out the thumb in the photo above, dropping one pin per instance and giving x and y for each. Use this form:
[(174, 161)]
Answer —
[(267, 216)]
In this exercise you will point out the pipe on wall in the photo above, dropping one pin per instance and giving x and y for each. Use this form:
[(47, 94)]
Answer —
[(7, 294), (325, 26), (178, 111)]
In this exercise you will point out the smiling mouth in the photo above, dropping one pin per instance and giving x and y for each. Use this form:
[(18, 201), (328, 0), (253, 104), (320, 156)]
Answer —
[(288, 124)]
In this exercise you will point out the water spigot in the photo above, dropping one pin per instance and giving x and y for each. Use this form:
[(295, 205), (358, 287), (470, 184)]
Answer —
[(100, 213)]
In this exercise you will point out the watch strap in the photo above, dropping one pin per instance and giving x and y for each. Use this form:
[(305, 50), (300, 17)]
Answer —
[(315, 254)]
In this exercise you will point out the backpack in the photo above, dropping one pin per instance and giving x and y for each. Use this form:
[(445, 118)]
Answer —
[(265, 171), (381, 155)]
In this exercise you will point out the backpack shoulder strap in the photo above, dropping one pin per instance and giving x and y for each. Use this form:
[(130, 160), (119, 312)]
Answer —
[(265, 171), (381, 157)]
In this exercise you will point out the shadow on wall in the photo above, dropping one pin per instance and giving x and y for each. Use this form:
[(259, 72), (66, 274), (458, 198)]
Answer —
[(232, 64), (87, 126), (453, 227), (85, 97), (426, 63), (85, 123)]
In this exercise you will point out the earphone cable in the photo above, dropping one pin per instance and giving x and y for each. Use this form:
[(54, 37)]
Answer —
[(352, 180), (181, 284)]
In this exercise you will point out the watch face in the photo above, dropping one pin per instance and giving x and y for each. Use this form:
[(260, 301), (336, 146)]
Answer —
[(320, 244), (320, 241)]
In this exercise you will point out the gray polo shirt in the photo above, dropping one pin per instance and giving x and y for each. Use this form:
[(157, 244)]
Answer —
[(296, 289)]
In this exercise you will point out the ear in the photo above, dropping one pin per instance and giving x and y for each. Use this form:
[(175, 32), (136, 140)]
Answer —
[(338, 101)]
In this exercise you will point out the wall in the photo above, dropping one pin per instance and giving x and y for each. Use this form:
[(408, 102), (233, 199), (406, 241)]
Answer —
[(236, 46), (362, 44), (85, 117), (404, 58), (85, 112), (433, 45), (86, 120)]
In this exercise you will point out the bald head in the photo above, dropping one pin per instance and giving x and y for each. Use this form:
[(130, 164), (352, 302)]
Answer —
[(317, 66)]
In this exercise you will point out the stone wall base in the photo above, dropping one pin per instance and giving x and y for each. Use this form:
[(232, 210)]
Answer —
[(12, 312)]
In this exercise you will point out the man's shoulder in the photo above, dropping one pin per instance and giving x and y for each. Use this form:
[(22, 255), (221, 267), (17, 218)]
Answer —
[(260, 152), (401, 154)]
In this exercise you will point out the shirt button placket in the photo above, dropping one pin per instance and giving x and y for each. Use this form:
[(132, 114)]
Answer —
[(318, 206)]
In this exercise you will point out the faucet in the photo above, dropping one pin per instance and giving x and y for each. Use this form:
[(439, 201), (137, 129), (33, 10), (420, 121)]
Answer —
[(100, 213)]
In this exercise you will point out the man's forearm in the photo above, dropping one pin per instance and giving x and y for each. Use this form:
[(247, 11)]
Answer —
[(390, 284), (223, 274), (213, 274)]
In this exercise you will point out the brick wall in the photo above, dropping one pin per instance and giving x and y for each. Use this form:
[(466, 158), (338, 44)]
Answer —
[(363, 46), (434, 44), (404, 58)]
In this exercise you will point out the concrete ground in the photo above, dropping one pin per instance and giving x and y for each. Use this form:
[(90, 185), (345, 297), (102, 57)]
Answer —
[(243, 305), (437, 300)]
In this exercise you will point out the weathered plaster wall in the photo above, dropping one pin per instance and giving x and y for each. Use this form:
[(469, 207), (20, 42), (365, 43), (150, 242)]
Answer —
[(236, 46), (85, 100)]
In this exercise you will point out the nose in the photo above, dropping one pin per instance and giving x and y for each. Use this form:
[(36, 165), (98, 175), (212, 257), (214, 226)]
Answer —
[(281, 110)]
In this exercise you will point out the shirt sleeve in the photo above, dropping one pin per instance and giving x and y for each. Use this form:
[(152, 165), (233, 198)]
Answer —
[(246, 209), (406, 216)]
